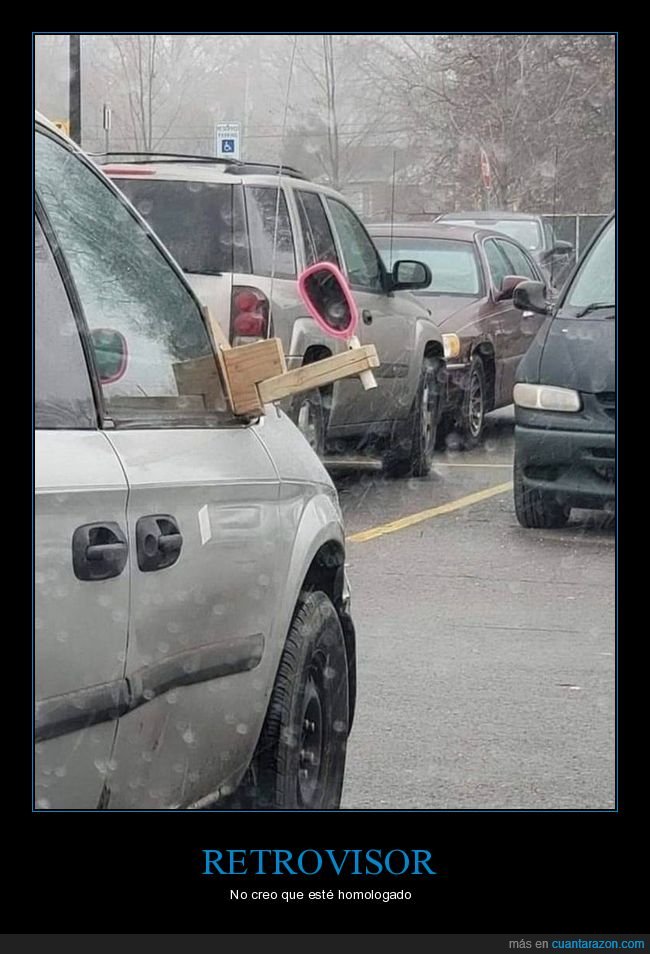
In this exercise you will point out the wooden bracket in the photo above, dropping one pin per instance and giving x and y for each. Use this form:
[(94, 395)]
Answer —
[(256, 374)]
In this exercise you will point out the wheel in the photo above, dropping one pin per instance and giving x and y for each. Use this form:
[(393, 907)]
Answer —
[(471, 419), (536, 509), (300, 758), (308, 414), (413, 457)]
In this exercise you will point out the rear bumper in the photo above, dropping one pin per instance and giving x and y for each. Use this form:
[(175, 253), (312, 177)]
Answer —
[(578, 467)]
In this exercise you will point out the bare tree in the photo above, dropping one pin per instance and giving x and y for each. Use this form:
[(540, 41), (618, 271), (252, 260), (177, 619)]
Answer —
[(525, 100)]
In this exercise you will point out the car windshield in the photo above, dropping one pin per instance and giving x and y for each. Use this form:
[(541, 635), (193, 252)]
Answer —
[(526, 231), (193, 219), (453, 264), (594, 286)]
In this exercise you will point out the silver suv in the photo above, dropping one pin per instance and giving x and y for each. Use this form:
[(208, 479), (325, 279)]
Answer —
[(242, 233), (192, 613)]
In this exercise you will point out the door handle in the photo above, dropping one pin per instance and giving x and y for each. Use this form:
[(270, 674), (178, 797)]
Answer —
[(158, 541), (366, 316), (99, 551)]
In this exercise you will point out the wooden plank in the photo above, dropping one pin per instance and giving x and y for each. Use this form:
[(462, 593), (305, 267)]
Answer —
[(184, 402), (320, 373), (246, 366), (217, 334), (201, 376)]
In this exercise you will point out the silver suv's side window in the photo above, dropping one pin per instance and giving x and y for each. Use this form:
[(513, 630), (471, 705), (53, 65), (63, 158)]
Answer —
[(361, 258), (272, 248), (136, 306), (319, 241), (64, 398)]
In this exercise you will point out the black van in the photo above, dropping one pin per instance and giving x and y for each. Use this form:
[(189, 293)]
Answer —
[(565, 393)]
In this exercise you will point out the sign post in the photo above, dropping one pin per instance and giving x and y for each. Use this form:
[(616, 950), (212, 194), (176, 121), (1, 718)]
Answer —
[(227, 140), (486, 172)]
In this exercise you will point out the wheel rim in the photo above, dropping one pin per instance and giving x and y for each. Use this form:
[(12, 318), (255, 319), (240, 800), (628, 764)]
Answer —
[(475, 410), (311, 743), (427, 418), (307, 424)]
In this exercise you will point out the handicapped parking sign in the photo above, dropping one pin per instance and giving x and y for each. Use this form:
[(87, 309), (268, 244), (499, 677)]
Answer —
[(227, 139)]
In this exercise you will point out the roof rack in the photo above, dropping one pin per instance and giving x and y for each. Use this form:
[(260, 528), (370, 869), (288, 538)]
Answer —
[(137, 157), (234, 166)]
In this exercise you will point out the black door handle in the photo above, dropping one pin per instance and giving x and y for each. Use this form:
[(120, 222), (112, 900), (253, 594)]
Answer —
[(366, 316), (99, 551), (158, 541)]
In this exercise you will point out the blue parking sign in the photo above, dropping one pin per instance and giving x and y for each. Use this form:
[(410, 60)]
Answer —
[(227, 140)]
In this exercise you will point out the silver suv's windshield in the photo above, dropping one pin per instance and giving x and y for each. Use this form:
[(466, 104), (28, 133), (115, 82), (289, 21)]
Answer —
[(594, 286)]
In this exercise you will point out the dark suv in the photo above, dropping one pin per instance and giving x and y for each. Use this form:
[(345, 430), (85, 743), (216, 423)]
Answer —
[(565, 398)]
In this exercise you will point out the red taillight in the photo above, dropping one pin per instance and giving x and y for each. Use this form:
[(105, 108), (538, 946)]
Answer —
[(250, 313), (247, 325)]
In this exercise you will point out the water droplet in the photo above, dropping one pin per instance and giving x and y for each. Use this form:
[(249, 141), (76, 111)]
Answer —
[(42, 803), (172, 697), (242, 728)]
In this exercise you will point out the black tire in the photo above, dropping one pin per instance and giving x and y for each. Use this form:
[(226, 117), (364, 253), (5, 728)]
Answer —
[(309, 416), (300, 758), (471, 419), (536, 509), (413, 456)]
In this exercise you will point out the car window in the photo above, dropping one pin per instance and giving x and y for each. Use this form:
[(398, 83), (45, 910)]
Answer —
[(361, 258), (526, 231), (454, 266), (521, 264), (499, 265), (63, 395), (319, 241), (595, 281), (272, 245), (201, 223), (126, 285)]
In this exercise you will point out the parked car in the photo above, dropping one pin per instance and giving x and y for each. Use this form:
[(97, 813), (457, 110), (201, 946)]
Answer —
[(474, 273), (565, 395), (192, 614), (242, 244), (535, 233)]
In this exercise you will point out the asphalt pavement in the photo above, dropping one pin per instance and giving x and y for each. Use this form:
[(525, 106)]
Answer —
[(486, 652)]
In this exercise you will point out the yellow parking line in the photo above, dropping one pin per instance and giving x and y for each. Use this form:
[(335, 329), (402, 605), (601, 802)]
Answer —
[(414, 518)]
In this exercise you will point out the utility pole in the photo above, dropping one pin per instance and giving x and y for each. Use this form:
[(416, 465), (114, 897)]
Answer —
[(75, 87)]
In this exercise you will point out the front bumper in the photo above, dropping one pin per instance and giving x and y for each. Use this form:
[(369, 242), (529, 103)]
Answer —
[(457, 380), (578, 467)]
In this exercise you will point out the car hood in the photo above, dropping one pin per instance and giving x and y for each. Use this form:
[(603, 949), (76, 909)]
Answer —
[(579, 353), (444, 308)]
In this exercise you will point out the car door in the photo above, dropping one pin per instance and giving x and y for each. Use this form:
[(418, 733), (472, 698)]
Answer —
[(384, 322), (207, 566), (518, 327), (81, 604)]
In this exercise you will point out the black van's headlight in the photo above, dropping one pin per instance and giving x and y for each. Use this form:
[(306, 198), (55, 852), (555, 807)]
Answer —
[(543, 397)]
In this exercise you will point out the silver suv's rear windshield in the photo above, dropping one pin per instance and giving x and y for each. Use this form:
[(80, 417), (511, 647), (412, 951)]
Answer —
[(195, 220)]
